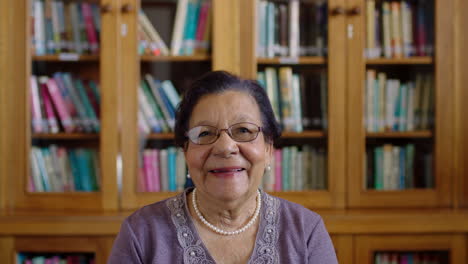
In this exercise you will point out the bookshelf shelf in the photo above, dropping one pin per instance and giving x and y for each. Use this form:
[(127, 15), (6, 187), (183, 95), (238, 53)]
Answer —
[(409, 134), (410, 60), (66, 136), (304, 134), (161, 136), (149, 58), (66, 57), (292, 60)]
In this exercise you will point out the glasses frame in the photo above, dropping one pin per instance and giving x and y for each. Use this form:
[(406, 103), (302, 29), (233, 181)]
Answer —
[(227, 130)]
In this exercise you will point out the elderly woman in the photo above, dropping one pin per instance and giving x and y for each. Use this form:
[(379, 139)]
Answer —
[(226, 128)]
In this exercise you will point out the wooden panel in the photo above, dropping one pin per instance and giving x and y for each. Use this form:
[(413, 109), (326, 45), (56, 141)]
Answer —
[(129, 135), (344, 248), (226, 43), (7, 254), (367, 245), (248, 39), (111, 72), (410, 60), (444, 101), (461, 138), (5, 27), (336, 160)]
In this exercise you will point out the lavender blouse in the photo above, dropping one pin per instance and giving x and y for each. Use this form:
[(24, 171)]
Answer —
[(163, 232)]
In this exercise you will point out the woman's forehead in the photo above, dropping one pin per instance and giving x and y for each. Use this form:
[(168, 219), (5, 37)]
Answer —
[(229, 106)]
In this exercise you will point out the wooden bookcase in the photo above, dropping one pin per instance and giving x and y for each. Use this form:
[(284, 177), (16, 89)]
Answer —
[(16, 116), (343, 247), (453, 245), (442, 134)]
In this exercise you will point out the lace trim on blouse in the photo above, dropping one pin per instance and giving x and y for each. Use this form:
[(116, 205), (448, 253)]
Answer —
[(195, 253)]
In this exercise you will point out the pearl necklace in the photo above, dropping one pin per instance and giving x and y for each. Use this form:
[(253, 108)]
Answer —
[(219, 230)]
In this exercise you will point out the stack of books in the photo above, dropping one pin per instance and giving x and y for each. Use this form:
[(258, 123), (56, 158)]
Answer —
[(65, 26), (63, 103), (59, 169), (397, 29)]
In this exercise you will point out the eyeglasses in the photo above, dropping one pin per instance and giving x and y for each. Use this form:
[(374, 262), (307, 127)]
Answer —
[(240, 132)]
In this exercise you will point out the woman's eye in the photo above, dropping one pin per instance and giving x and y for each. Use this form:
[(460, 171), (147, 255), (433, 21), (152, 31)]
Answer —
[(244, 130), (204, 134)]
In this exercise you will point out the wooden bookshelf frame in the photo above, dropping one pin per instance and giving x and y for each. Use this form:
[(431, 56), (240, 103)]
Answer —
[(344, 247), (444, 118), (366, 245), (18, 136), (461, 129)]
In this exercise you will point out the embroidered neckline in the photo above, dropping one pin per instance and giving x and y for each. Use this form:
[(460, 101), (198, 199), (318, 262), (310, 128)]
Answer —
[(194, 251)]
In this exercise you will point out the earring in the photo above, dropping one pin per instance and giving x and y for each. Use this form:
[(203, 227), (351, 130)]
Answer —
[(188, 175), (268, 168)]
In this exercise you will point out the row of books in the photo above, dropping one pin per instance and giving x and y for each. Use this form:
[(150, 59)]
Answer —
[(393, 167), (60, 169), (294, 28), (410, 258), (158, 101), (296, 169), (299, 101), (162, 170), (191, 33), (395, 105), (398, 29), (62, 26), (54, 258), (64, 103)]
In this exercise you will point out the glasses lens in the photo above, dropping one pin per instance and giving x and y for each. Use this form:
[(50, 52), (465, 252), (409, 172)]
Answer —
[(202, 134), (243, 132)]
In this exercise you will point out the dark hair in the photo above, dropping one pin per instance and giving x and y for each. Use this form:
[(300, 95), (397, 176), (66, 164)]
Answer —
[(218, 82)]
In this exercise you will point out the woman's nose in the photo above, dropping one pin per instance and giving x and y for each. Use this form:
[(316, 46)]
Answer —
[(225, 146)]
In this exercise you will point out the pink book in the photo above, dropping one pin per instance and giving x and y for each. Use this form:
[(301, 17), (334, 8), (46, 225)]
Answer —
[(278, 170), (60, 105), (147, 160), (28, 261), (155, 165), (48, 261), (49, 109), (65, 95), (31, 187), (202, 23), (90, 27), (55, 260), (36, 114)]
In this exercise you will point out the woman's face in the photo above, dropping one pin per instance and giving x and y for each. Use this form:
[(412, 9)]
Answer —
[(227, 170)]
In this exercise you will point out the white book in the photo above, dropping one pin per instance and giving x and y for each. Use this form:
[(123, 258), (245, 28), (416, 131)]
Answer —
[(395, 178), (294, 28), (181, 170), (56, 177), (39, 28), (387, 166), (386, 30), (370, 100), (179, 27), (261, 28), (370, 27), (35, 171), (315, 169), (75, 20), (270, 18), (381, 118), (406, 27), (272, 89), (296, 103), (163, 170), (143, 122), (39, 123)]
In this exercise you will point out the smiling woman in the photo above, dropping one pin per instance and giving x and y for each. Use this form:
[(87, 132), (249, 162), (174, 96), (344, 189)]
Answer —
[(227, 128)]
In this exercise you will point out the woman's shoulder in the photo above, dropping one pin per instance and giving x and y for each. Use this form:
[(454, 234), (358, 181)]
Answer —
[(156, 214), (295, 212)]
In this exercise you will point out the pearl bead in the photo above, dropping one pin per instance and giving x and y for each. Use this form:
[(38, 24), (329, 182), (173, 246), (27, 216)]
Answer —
[(220, 231)]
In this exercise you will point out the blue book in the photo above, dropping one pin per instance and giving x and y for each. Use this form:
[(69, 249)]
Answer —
[(402, 169), (75, 170), (171, 165), (189, 19), (378, 174), (41, 163), (166, 102), (83, 168), (91, 115)]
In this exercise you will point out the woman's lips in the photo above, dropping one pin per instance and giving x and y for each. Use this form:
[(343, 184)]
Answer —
[(226, 172)]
